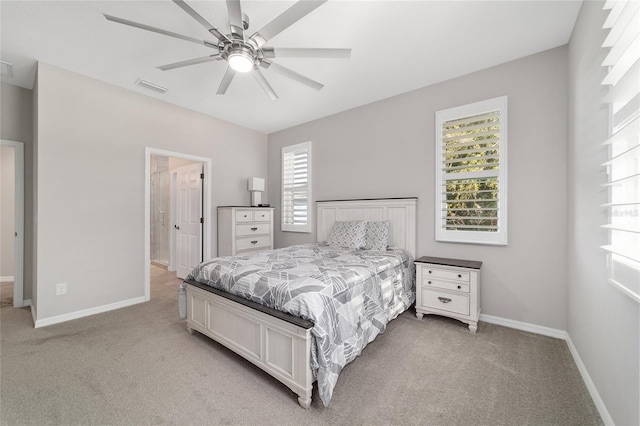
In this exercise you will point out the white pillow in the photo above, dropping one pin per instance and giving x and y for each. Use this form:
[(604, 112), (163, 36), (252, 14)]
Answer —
[(348, 234), (377, 235)]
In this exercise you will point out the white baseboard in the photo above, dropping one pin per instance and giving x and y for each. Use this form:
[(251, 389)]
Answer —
[(6, 279), (86, 312), (558, 334), (593, 391), (524, 326), (26, 303)]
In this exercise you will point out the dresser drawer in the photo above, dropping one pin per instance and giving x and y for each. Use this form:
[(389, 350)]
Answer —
[(253, 243), (262, 216), (244, 216), (244, 229), (447, 274), (253, 216), (458, 303), (252, 251), (447, 285), (252, 229)]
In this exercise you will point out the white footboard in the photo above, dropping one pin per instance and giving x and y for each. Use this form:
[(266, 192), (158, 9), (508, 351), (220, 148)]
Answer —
[(278, 347)]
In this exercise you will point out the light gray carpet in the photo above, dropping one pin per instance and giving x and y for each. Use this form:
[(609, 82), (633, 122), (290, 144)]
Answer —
[(6, 294), (138, 365)]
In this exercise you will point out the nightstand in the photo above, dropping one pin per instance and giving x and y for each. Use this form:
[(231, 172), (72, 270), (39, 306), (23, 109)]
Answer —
[(448, 287)]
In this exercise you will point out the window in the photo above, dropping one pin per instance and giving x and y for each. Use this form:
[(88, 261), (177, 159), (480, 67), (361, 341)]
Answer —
[(623, 163), (296, 188), (471, 171)]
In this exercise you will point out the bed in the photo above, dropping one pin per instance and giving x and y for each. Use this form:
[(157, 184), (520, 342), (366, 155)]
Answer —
[(277, 308)]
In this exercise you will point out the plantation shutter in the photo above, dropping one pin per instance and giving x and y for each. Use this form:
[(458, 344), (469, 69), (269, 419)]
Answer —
[(296, 188), (471, 165), (623, 147)]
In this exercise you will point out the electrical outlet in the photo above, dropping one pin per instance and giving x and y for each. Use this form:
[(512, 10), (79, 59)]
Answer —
[(61, 289)]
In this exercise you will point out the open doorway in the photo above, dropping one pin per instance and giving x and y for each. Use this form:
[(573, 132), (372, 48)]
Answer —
[(176, 205), (12, 224), (178, 208)]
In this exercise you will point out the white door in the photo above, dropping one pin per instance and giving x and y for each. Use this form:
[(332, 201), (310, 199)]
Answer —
[(189, 219), (13, 208)]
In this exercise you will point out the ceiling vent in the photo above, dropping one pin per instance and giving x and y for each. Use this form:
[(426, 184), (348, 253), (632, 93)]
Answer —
[(151, 86), (6, 69)]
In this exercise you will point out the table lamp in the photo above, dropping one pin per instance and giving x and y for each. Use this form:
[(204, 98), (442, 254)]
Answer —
[(255, 185)]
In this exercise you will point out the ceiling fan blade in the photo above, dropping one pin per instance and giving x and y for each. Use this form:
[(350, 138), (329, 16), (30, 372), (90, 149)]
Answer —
[(226, 81), (285, 20), (284, 52), (195, 15), (214, 57), (293, 75), (156, 30), (235, 17), (262, 81)]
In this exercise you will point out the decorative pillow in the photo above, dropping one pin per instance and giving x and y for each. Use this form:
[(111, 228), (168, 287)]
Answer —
[(348, 234), (377, 235)]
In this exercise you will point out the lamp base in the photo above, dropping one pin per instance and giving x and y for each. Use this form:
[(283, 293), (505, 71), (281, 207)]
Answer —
[(256, 198)]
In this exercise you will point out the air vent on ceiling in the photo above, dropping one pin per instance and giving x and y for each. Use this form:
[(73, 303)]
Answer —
[(151, 86), (6, 69)]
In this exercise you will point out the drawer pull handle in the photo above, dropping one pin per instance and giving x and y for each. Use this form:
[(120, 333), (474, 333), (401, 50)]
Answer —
[(428, 282), (254, 242), (459, 287), (254, 229), (429, 271), (444, 299), (459, 275)]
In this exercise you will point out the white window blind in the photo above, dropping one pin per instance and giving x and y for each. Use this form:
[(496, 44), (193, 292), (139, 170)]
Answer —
[(623, 147), (471, 173), (296, 188)]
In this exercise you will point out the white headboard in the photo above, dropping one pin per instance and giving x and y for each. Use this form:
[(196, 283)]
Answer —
[(401, 212)]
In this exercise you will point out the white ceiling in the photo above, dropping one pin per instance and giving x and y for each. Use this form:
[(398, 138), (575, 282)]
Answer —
[(397, 46)]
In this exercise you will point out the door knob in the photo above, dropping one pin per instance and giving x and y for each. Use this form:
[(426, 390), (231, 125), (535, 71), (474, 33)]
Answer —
[(176, 226)]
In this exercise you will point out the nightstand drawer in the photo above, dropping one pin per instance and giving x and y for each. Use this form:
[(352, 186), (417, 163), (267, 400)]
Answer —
[(447, 274), (458, 303), (253, 243), (252, 229), (447, 285)]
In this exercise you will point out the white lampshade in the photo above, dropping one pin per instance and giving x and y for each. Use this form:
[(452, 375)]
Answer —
[(255, 184)]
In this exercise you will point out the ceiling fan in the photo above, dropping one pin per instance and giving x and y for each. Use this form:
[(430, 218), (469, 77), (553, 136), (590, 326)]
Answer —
[(248, 54)]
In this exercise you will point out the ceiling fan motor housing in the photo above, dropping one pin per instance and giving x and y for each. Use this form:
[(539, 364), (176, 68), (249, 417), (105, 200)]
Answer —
[(240, 48)]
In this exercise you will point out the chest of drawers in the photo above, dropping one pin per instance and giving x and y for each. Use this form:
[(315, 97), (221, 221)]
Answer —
[(448, 287), (244, 230)]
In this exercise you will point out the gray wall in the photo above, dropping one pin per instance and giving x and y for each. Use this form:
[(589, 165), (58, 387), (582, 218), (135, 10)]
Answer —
[(16, 124), (386, 149), (91, 160), (602, 322), (7, 210)]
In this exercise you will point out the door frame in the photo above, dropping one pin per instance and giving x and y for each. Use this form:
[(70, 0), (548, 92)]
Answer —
[(206, 204), (172, 214), (18, 245)]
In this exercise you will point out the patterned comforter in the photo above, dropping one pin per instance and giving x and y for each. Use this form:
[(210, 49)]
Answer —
[(349, 295)]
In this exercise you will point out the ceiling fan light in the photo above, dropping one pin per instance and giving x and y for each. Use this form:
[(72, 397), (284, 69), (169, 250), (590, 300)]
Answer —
[(240, 61)]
